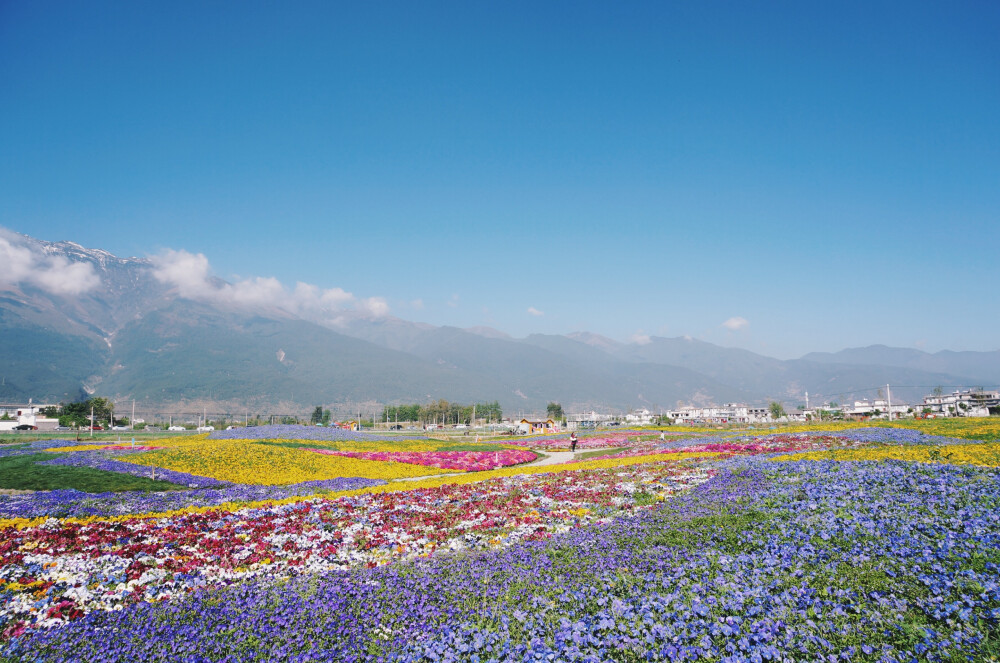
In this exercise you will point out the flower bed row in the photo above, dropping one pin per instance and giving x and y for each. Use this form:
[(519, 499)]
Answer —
[(105, 564), (68, 503), (982, 454), (763, 444), (296, 432), (247, 462)]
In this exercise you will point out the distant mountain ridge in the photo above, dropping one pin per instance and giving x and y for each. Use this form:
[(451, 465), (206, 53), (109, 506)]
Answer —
[(132, 334), (982, 366)]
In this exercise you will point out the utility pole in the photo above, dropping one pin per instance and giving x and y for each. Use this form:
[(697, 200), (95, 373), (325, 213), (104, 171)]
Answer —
[(132, 420), (888, 400)]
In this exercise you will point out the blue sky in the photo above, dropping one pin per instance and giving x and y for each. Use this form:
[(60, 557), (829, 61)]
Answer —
[(827, 173)]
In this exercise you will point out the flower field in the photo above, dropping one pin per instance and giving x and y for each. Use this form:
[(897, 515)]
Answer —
[(466, 461), (983, 454), (840, 544)]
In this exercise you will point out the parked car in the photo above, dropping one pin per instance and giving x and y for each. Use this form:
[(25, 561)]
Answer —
[(25, 427), (205, 429), (119, 428), (96, 427), (64, 428), (176, 428)]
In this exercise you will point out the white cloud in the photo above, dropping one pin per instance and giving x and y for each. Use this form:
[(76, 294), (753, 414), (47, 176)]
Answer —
[(19, 263), (375, 306), (453, 302), (191, 275), (260, 291), (735, 323), (188, 272), (417, 304), (639, 338), (534, 311)]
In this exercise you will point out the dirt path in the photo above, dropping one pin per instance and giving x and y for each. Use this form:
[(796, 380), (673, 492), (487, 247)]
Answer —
[(552, 458)]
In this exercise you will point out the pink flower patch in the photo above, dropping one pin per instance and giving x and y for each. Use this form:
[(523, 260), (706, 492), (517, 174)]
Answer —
[(466, 461), (129, 447)]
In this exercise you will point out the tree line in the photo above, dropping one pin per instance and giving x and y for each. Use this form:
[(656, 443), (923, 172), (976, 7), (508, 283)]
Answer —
[(78, 414), (442, 412)]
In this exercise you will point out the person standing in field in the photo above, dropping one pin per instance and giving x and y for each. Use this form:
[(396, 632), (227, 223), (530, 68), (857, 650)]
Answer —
[(572, 442)]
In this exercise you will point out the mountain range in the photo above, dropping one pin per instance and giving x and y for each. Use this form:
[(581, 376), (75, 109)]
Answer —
[(77, 321)]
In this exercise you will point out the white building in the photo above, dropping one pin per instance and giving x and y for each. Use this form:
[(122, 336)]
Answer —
[(26, 414), (641, 417), (587, 420), (729, 413), (967, 403), (877, 408)]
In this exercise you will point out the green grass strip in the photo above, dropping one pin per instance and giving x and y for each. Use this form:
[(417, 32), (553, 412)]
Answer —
[(24, 473)]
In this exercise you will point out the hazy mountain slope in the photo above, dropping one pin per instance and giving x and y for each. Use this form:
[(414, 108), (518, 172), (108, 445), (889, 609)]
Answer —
[(580, 353), (576, 375), (660, 384), (788, 380), (846, 382), (744, 370), (978, 366), (40, 363), (387, 331), (189, 350)]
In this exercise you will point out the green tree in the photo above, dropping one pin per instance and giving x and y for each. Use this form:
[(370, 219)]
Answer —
[(554, 411), (317, 415), (78, 414), (102, 407), (777, 410)]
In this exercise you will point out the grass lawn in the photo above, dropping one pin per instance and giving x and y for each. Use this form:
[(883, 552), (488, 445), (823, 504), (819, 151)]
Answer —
[(23, 473)]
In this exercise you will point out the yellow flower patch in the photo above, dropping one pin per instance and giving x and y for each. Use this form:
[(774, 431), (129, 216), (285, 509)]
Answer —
[(986, 454), (961, 427), (351, 445), (82, 447), (242, 461), (175, 441)]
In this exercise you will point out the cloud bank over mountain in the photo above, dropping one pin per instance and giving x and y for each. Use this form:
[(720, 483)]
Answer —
[(56, 274), (190, 275)]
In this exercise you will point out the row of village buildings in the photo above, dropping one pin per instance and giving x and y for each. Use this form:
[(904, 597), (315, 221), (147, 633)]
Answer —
[(967, 403)]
